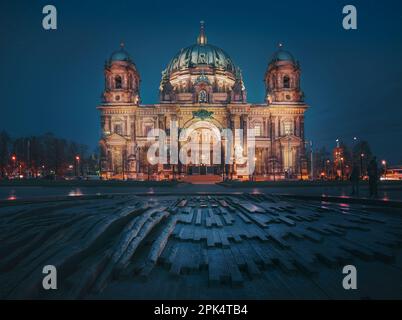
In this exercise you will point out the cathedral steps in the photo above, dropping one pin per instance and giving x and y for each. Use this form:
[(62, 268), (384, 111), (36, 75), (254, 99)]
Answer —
[(200, 179)]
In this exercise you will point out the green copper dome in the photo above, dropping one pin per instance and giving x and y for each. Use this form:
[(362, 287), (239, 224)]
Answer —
[(197, 54), (282, 55), (120, 55), (201, 54)]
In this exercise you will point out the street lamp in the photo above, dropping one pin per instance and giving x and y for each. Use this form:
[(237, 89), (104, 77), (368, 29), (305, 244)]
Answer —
[(123, 160), (327, 168), (362, 155), (342, 159), (255, 165), (384, 163), (77, 163), (14, 159), (310, 143), (149, 166)]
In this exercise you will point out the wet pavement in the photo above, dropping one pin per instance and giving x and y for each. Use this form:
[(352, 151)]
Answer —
[(13, 193), (211, 246)]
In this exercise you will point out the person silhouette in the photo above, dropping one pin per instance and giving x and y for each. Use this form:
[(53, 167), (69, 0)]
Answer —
[(372, 171), (354, 178)]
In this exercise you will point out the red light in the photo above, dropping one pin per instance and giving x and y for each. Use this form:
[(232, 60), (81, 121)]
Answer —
[(77, 158), (13, 158)]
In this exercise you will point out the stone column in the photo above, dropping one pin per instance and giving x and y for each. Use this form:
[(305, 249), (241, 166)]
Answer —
[(103, 124), (132, 128), (278, 127)]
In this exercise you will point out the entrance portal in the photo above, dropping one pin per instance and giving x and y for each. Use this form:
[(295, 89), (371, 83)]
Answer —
[(203, 145)]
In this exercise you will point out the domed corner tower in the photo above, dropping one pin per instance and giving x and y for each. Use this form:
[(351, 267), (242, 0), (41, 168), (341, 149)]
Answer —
[(118, 116), (286, 102), (122, 79), (201, 73), (282, 79)]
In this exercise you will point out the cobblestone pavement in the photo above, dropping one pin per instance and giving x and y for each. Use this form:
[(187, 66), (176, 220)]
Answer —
[(10, 193), (248, 246)]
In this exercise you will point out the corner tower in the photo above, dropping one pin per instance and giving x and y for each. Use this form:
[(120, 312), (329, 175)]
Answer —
[(286, 122), (120, 98), (282, 79), (122, 80)]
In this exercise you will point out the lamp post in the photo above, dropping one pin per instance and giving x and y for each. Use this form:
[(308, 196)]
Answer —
[(77, 163), (384, 163), (342, 173), (255, 165), (327, 165), (123, 164), (14, 160), (288, 134), (361, 165), (149, 167), (311, 160)]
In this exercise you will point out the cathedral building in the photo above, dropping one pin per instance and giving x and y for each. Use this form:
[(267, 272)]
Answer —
[(202, 89)]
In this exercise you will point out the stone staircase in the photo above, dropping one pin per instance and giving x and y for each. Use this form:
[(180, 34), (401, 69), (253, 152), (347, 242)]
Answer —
[(200, 179)]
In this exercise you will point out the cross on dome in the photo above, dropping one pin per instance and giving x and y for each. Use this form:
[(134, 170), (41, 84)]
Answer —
[(202, 38)]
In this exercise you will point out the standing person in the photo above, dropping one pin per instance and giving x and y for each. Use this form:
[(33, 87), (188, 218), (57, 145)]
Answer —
[(372, 171), (354, 178)]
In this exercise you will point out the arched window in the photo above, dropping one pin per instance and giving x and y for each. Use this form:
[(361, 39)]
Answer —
[(202, 96), (117, 82), (130, 81), (118, 129), (286, 82), (258, 129), (287, 128)]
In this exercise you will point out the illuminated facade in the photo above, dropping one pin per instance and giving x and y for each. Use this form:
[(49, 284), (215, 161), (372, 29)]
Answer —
[(202, 89)]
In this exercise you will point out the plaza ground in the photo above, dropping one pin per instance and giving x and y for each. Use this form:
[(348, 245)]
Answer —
[(26, 189), (218, 245), (169, 240)]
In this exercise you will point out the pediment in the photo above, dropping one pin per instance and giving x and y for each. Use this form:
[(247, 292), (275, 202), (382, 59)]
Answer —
[(291, 138), (115, 139)]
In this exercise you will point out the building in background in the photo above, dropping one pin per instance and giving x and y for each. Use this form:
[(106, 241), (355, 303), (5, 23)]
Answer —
[(202, 89)]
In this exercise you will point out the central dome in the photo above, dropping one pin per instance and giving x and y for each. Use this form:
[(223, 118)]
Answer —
[(202, 73), (201, 54)]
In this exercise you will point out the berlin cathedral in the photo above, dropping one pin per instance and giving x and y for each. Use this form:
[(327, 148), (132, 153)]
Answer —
[(202, 89)]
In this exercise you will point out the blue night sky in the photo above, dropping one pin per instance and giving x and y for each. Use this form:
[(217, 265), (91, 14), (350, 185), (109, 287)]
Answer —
[(52, 80)]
